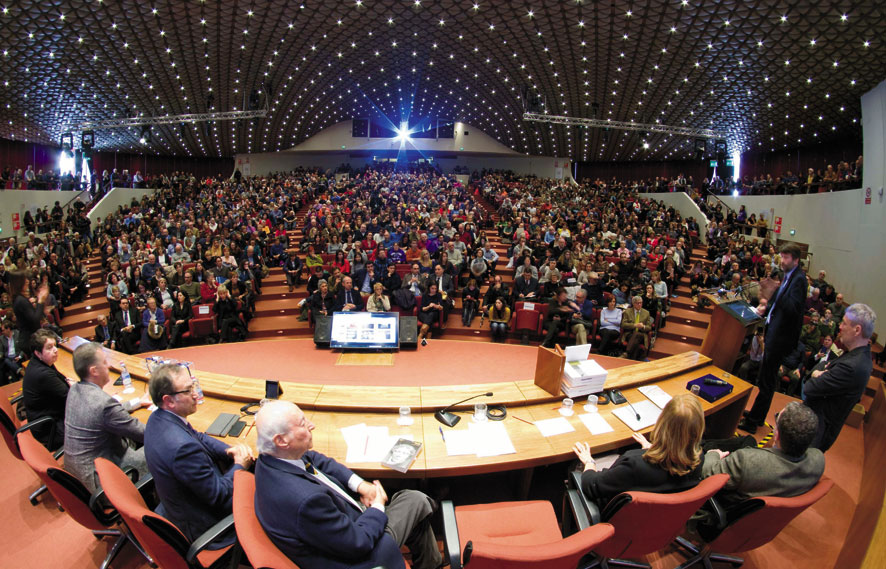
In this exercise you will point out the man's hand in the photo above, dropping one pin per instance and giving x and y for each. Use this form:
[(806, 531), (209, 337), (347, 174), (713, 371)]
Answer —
[(42, 293), (817, 373), (242, 455), (721, 453), (768, 287), (367, 491), (380, 498)]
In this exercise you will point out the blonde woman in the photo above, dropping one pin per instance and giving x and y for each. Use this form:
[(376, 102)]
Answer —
[(670, 463), (377, 301)]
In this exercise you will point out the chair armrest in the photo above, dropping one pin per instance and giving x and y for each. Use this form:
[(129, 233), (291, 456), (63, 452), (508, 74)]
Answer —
[(36, 423), (451, 542), (579, 512), (208, 537), (17, 398), (59, 453), (590, 510)]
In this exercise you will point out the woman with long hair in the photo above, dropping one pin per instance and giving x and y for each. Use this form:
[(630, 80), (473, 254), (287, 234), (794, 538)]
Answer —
[(670, 463), (499, 317), (429, 312), (27, 316), (181, 313)]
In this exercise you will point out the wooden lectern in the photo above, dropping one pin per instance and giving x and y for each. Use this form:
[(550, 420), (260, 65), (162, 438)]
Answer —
[(732, 320), (549, 369)]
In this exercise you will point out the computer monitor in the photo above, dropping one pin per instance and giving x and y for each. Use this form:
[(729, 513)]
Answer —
[(365, 330)]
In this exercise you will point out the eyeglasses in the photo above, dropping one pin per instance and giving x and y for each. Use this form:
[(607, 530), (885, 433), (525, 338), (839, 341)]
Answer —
[(190, 390)]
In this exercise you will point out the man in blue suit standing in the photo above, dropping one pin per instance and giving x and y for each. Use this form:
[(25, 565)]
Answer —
[(193, 472), (784, 319), (303, 503)]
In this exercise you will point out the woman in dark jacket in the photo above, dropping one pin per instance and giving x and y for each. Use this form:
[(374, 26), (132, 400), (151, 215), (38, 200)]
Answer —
[(671, 463), (181, 313), (429, 311), (45, 390), (231, 326), (470, 299), (27, 316)]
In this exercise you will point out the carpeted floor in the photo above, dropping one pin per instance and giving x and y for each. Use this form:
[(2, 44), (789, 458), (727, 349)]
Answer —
[(441, 362)]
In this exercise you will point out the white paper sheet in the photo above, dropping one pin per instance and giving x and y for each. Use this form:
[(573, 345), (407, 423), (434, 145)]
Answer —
[(491, 439), (646, 409), (367, 444), (596, 423), (459, 442), (552, 427), (655, 394)]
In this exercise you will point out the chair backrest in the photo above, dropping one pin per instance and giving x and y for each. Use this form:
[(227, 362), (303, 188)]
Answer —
[(8, 424), (563, 554), (164, 542), (757, 521), (260, 550), (67, 490), (646, 522)]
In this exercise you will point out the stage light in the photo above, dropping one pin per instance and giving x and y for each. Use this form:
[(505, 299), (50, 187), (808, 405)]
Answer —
[(403, 133)]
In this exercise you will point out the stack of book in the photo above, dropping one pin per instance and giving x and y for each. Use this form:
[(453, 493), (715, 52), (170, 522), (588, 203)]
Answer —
[(582, 377)]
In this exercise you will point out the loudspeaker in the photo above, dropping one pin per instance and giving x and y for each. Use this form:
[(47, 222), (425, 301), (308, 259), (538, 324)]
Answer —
[(408, 332), (322, 331), (720, 146), (359, 128)]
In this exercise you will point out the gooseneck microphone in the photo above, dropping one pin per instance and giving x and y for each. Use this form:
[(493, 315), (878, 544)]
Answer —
[(634, 410), (450, 419)]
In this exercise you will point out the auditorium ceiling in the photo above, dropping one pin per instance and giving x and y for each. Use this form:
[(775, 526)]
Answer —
[(773, 75)]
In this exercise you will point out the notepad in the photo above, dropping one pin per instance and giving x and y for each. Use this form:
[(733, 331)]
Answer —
[(552, 427), (596, 423), (655, 394), (646, 409), (491, 439), (459, 443)]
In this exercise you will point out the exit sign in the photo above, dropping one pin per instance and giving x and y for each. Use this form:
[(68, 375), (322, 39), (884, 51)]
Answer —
[(729, 163), (713, 163)]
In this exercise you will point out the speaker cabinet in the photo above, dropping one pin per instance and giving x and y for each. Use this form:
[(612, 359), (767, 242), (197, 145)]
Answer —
[(408, 332), (322, 331)]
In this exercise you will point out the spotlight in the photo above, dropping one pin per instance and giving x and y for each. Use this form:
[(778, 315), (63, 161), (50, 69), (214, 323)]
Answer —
[(645, 145), (146, 135), (402, 133)]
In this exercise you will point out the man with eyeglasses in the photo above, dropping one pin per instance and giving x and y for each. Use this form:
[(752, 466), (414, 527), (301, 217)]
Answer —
[(193, 472)]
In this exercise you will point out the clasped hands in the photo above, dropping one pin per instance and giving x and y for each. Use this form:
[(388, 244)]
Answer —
[(242, 455), (372, 494)]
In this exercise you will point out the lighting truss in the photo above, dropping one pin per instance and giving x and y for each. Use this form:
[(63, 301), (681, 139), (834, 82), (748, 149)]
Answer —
[(173, 119), (619, 125)]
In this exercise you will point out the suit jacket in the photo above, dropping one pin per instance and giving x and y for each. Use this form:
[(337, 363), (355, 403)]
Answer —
[(632, 473), (135, 319), (521, 286), (629, 319), (360, 276), (447, 287), (100, 335), (757, 472), (95, 426), (339, 303), (406, 282), (786, 315), (192, 474), (315, 526), (45, 392), (20, 349), (833, 394)]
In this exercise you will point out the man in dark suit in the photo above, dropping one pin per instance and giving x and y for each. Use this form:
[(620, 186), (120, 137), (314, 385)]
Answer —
[(12, 352), (322, 515), (445, 286), (127, 327), (784, 319), (104, 334), (832, 392), (364, 279), (192, 471), (526, 288), (347, 299)]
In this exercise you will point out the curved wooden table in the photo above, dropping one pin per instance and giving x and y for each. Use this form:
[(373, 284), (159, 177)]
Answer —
[(331, 407)]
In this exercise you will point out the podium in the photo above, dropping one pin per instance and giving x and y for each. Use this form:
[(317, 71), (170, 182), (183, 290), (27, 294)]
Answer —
[(549, 369), (732, 320)]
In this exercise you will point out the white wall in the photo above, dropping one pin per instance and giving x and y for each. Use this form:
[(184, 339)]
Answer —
[(873, 122), (114, 199), (20, 201), (681, 202), (846, 236)]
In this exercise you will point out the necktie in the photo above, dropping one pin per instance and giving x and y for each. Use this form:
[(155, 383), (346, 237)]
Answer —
[(348, 297), (338, 489), (105, 332), (310, 468), (126, 317)]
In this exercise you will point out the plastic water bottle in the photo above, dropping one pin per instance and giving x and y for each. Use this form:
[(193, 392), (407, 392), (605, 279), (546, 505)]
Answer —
[(197, 388), (127, 379)]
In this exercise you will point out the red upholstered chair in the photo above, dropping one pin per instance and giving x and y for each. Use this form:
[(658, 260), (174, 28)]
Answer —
[(525, 321), (514, 534), (260, 550), (748, 525), (10, 426), (86, 509), (644, 522), (161, 539), (202, 323)]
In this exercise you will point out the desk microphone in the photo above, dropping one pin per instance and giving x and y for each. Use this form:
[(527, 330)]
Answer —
[(450, 419), (634, 410), (714, 381)]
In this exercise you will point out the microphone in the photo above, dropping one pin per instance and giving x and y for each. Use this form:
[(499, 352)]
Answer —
[(451, 419), (634, 410), (714, 381)]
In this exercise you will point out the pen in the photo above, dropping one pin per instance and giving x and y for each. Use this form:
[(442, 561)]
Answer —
[(442, 436), (519, 419), (249, 430)]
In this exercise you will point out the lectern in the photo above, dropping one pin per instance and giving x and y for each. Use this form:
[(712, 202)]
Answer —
[(731, 322), (549, 369)]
